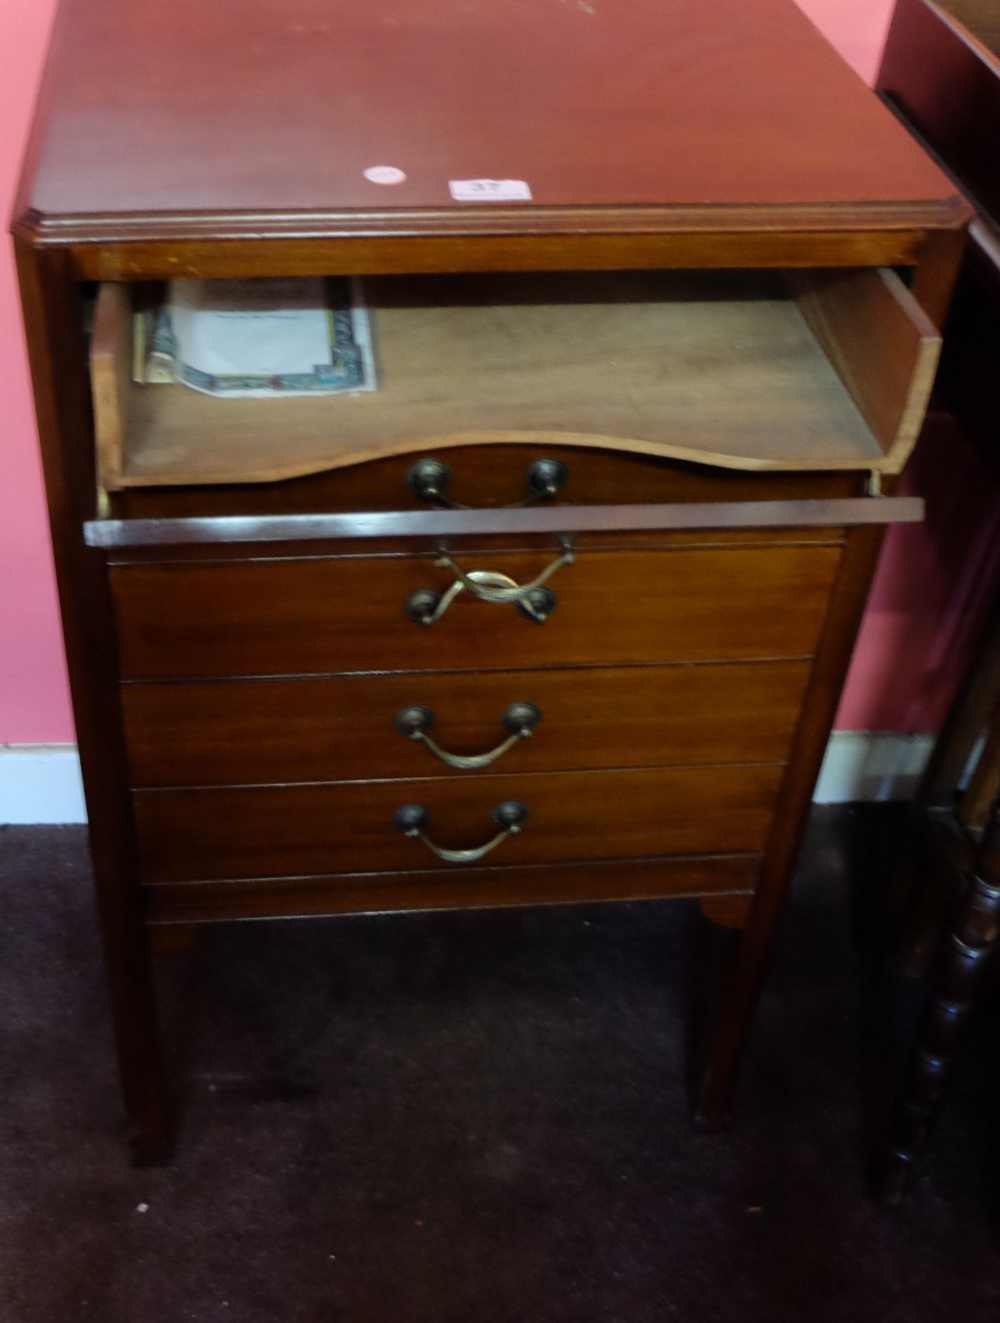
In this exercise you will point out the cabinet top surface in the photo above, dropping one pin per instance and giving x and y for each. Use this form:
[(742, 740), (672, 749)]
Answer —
[(272, 108)]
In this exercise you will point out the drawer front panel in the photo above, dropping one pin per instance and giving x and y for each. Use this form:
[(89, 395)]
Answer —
[(449, 888), (487, 476), (299, 830), (265, 731), (306, 616)]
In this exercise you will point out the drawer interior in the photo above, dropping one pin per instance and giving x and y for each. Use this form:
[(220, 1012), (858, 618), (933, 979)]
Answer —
[(740, 369)]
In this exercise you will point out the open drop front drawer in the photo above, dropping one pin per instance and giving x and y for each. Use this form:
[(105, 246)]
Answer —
[(751, 370)]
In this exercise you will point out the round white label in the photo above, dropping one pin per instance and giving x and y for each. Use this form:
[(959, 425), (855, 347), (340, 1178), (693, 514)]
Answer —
[(384, 174)]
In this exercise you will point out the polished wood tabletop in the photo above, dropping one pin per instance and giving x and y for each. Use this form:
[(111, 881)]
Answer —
[(277, 106)]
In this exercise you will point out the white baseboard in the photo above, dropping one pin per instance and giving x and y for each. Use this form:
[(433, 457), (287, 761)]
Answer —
[(40, 783), (873, 766)]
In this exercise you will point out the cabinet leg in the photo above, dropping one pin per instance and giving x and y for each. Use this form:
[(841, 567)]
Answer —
[(128, 965), (739, 964), (137, 1043), (955, 981)]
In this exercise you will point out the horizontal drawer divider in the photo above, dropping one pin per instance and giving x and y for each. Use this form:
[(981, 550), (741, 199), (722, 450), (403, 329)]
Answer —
[(495, 772), (729, 856), (413, 548), (139, 681), (566, 519)]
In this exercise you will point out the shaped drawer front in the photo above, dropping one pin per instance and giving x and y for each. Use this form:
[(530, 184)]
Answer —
[(345, 728), (274, 831), (487, 476), (284, 617)]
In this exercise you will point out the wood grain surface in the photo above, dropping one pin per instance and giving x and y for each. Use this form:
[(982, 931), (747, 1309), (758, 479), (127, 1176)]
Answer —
[(165, 111), (725, 876), (231, 139), (281, 831), (846, 605), (485, 476), (285, 617), (258, 731), (639, 238), (604, 525), (883, 345), (979, 17), (719, 367), (53, 314)]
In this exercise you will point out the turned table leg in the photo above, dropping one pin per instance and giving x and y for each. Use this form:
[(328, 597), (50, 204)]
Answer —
[(955, 981)]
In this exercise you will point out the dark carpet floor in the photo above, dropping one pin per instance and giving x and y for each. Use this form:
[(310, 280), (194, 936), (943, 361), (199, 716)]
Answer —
[(478, 1118)]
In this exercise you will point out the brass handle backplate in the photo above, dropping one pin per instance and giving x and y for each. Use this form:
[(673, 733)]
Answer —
[(413, 819), (520, 719), (430, 479), (533, 600)]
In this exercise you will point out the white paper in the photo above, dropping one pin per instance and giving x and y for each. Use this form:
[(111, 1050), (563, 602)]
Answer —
[(271, 336), (260, 327)]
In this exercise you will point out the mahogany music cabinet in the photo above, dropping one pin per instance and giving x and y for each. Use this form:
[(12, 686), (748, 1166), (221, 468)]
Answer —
[(655, 289)]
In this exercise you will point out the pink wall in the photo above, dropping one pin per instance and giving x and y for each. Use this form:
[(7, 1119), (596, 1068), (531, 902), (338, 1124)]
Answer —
[(856, 27), (34, 704), (929, 594), (921, 608)]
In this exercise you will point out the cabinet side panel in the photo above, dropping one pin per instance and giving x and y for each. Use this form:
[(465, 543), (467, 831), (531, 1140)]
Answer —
[(59, 371), (847, 603), (110, 377)]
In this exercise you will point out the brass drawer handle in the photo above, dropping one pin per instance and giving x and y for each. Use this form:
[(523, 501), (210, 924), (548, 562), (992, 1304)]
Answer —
[(520, 719), (533, 600), (412, 819), (430, 479)]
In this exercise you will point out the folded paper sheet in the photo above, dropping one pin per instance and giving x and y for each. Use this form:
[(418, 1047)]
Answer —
[(260, 338)]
